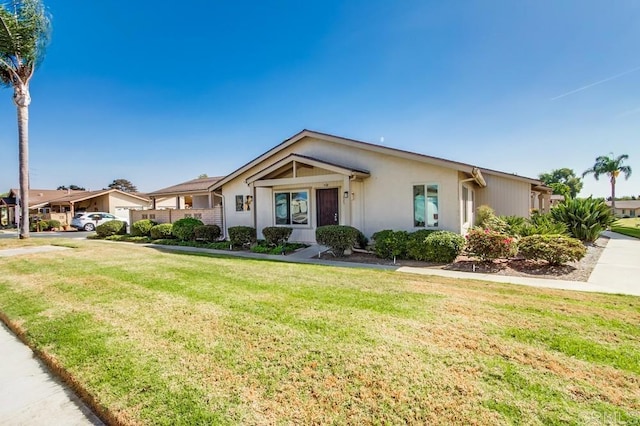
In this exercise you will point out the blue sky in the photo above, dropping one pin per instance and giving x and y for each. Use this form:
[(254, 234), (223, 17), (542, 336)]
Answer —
[(159, 92)]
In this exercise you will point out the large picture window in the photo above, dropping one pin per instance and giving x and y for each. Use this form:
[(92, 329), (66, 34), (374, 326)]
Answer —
[(292, 208), (425, 206)]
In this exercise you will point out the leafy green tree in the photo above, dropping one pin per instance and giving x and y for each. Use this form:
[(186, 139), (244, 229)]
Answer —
[(563, 182), (123, 185), (612, 167), (71, 187), (203, 175), (25, 29)]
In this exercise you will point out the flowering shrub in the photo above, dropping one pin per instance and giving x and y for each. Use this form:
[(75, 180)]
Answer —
[(555, 249), (489, 245)]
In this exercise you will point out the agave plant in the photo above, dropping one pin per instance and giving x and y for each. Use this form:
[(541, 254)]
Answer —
[(585, 218)]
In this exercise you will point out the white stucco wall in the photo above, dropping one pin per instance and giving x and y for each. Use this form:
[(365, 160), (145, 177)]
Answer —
[(382, 201)]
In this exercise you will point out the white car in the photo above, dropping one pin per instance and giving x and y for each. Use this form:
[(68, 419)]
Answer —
[(87, 221)]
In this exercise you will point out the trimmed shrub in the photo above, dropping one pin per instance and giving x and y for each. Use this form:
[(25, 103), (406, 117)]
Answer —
[(483, 213), (208, 233), (489, 245), (37, 225), (142, 227), (276, 235), (161, 231), (585, 218), (555, 249), (338, 237), (389, 244), (443, 246), (53, 224), (487, 219), (241, 236), (184, 229), (113, 227), (416, 247)]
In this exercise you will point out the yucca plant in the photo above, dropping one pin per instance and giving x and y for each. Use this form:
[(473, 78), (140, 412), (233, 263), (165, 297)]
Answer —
[(585, 218)]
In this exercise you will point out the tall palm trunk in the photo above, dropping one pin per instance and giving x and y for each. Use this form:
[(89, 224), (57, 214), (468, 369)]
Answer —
[(613, 194), (22, 99)]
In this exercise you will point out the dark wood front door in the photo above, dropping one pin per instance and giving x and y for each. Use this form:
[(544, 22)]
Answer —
[(327, 202)]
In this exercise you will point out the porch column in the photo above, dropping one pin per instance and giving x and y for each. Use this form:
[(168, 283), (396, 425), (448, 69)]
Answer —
[(346, 202), (153, 203), (177, 202), (542, 206)]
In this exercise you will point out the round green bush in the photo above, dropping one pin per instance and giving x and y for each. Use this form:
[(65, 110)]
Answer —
[(184, 229), (161, 231), (489, 245), (241, 236), (276, 235), (53, 224), (389, 244), (443, 246), (555, 249), (113, 227), (337, 237), (416, 247), (208, 233), (142, 227)]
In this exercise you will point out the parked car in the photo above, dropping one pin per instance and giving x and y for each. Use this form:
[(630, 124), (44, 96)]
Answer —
[(88, 221)]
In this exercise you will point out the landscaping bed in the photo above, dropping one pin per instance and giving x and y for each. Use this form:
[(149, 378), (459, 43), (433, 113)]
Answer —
[(517, 267)]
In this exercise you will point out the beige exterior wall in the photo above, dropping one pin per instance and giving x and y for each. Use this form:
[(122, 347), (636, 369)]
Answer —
[(109, 203), (505, 196), (382, 201), (207, 216)]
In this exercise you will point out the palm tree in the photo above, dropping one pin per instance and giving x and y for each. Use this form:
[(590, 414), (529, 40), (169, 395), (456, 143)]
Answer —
[(24, 35), (612, 167)]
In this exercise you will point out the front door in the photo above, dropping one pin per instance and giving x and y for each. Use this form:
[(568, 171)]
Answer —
[(327, 201)]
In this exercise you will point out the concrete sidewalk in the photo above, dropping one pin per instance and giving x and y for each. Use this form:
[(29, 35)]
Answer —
[(30, 395)]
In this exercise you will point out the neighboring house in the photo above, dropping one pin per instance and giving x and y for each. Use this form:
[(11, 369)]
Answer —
[(193, 198), (556, 199), (314, 179), (63, 204), (626, 208)]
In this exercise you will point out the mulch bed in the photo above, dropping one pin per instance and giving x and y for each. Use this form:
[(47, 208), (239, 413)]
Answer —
[(573, 271)]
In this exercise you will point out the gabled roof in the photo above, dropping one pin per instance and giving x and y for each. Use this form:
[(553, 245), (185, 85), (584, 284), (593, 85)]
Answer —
[(77, 196), (42, 197), (336, 168), (188, 187), (8, 201), (468, 168)]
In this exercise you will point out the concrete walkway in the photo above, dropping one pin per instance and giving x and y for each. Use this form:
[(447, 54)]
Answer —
[(29, 395)]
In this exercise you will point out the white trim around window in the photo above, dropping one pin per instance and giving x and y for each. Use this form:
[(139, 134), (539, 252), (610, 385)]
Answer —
[(292, 208), (426, 202)]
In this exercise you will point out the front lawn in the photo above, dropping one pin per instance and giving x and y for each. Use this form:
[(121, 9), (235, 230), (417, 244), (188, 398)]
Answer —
[(164, 338), (630, 227)]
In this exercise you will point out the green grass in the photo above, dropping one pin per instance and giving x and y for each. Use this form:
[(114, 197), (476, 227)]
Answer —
[(167, 338), (630, 227)]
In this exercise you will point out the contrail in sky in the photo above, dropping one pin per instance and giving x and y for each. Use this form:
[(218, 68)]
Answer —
[(580, 89)]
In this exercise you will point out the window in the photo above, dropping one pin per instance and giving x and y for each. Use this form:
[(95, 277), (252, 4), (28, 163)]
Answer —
[(425, 206), (239, 203), (465, 204), (292, 208)]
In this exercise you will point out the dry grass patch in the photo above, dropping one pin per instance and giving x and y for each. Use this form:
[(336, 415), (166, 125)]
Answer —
[(169, 338)]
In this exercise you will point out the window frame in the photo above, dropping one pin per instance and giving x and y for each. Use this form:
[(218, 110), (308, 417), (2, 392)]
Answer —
[(291, 223), (426, 186)]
